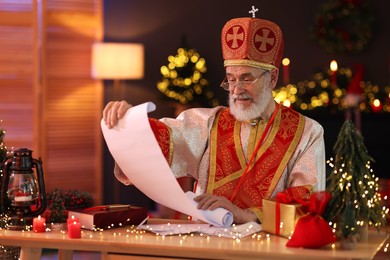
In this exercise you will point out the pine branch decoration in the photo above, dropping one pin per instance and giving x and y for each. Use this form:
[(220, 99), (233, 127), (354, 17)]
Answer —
[(61, 200)]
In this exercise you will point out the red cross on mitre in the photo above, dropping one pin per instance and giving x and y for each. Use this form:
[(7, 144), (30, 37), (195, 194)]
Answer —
[(235, 37), (264, 39)]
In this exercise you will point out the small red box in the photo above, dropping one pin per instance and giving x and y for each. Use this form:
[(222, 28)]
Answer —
[(109, 216)]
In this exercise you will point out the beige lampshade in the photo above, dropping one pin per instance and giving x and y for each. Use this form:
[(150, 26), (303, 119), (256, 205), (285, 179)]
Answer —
[(117, 61)]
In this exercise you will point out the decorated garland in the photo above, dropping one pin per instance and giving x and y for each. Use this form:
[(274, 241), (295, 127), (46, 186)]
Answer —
[(183, 79), (321, 93), (344, 26)]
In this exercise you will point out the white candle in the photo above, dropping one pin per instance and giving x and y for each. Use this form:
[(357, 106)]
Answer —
[(23, 198)]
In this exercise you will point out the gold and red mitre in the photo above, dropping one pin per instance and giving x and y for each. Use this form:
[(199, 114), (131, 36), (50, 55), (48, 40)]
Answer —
[(252, 42)]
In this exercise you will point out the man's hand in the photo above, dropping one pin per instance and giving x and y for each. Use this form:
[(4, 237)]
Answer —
[(114, 111), (211, 202)]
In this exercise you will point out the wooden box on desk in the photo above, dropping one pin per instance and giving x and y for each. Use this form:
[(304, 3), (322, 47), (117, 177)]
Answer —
[(280, 218), (109, 216)]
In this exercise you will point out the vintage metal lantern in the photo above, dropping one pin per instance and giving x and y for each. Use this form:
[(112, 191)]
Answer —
[(23, 195)]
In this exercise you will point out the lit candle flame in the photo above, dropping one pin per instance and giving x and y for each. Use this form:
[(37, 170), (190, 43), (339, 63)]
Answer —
[(333, 65), (286, 62)]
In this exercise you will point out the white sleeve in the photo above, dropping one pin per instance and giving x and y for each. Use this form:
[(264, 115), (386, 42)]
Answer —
[(307, 165), (190, 135), (120, 175)]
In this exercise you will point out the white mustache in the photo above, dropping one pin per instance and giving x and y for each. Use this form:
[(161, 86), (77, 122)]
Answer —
[(241, 96)]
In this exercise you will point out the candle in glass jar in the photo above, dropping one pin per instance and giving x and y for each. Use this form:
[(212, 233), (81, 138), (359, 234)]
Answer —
[(74, 230), (39, 224)]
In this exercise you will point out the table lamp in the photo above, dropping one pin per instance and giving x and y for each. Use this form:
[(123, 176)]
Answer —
[(117, 61)]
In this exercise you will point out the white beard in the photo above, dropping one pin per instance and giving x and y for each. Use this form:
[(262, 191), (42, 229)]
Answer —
[(255, 110)]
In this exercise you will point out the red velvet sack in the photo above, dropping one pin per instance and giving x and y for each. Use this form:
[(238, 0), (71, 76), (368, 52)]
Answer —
[(312, 231)]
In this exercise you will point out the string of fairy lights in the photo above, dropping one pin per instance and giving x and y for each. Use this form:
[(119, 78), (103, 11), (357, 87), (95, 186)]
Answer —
[(131, 233), (370, 191), (183, 80)]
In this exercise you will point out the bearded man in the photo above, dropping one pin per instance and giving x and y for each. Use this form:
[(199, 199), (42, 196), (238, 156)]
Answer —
[(251, 150)]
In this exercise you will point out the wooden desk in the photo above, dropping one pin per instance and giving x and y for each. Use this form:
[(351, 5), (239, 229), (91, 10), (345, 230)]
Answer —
[(123, 243)]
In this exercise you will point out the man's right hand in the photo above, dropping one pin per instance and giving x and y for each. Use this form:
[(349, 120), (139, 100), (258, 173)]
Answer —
[(114, 111)]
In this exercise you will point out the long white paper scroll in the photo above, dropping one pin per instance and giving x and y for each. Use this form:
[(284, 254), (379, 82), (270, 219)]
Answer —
[(135, 149)]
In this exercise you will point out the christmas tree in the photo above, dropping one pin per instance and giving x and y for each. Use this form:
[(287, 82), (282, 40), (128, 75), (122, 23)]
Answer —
[(4, 219), (3, 148), (3, 152), (354, 187)]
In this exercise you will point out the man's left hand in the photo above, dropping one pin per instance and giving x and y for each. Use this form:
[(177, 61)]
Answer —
[(211, 202)]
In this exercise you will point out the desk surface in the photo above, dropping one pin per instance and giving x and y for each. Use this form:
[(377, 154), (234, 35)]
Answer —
[(130, 241)]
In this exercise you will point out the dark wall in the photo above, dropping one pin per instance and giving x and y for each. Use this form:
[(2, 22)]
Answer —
[(159, 25)]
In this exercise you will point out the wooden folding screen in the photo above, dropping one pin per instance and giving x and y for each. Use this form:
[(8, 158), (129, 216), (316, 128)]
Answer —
[(48, 101)]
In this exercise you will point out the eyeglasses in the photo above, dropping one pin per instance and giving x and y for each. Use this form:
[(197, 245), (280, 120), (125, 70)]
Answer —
[(244, 84)]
